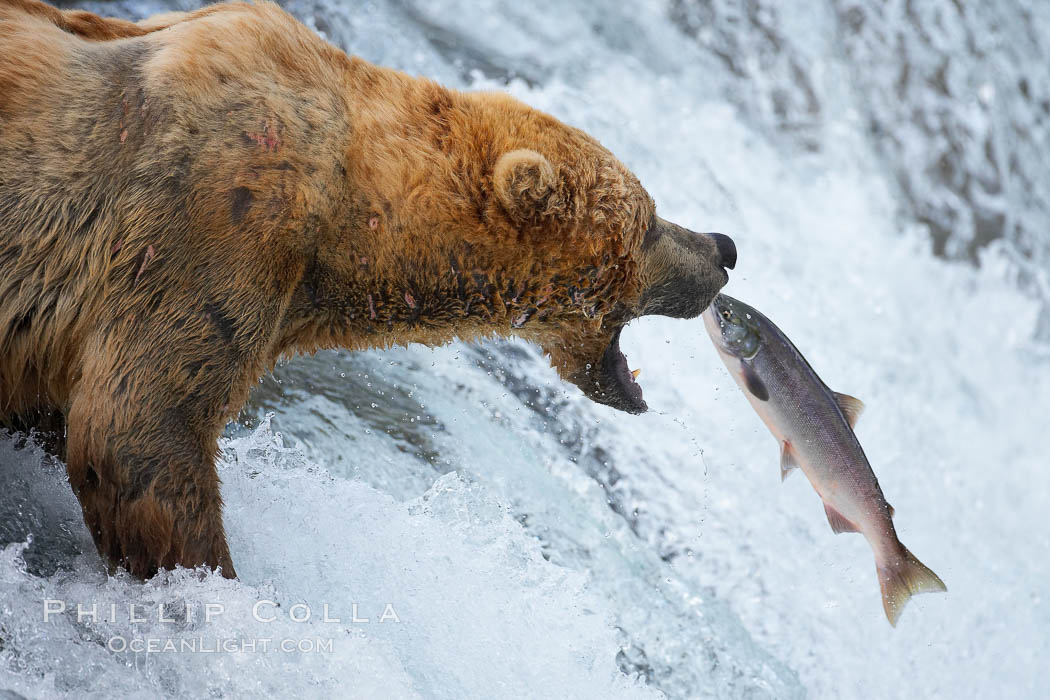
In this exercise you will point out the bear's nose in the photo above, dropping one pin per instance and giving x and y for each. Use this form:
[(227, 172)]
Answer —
[(726, 250)]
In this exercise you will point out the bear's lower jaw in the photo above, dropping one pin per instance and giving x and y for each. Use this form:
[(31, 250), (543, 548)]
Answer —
[(612, 383), (614, 366)]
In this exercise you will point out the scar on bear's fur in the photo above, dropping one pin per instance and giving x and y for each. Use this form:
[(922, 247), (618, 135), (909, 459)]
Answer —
[(181, 208), (147, 256), (267, 137)]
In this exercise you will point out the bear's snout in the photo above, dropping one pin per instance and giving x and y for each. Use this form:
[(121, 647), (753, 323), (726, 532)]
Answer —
[(681, 271)]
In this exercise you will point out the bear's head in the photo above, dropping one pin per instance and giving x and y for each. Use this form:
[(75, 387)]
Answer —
[(608, 259), (472, 214)]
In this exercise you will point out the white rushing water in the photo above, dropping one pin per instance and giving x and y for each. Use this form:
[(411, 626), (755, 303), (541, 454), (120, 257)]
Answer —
[(507, 538)]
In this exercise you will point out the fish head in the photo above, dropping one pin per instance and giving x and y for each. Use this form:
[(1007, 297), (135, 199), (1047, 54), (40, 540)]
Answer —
[(734, 327)]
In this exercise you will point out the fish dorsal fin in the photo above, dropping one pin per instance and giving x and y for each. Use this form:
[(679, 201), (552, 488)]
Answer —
[(851, 407), (754, 383), (788, 461), (838, 522)]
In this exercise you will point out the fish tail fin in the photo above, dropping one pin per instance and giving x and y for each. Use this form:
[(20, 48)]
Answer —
[(900, 578)]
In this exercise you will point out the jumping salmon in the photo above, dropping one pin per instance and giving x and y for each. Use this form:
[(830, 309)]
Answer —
[(814, 426)]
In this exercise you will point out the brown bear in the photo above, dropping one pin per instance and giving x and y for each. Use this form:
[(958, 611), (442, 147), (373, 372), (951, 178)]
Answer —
[(186, 199)]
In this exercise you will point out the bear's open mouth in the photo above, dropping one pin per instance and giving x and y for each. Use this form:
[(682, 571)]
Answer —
[(620, 388)]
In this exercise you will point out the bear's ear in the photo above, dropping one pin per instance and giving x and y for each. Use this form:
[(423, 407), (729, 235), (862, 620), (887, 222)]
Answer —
[(524, 182)]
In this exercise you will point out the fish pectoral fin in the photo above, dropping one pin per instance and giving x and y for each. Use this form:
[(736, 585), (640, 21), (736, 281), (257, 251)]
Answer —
[(839, 524), (851, 407), (788, 461), (754, 383), (889, 508)]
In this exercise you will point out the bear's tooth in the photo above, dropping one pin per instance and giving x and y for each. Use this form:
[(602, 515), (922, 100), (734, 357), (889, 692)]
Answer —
[(636, 372)]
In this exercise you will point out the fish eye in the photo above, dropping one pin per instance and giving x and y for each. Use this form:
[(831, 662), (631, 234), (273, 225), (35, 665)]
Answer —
[(726, 314)]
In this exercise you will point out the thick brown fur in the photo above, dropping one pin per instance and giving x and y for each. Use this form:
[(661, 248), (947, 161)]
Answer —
[(185, 200)]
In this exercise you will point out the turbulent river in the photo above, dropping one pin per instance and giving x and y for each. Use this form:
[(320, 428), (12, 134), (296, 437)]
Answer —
[(882, 168)]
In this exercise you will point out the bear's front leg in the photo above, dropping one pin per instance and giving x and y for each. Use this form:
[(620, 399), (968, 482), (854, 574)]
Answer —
[(141, 449)]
